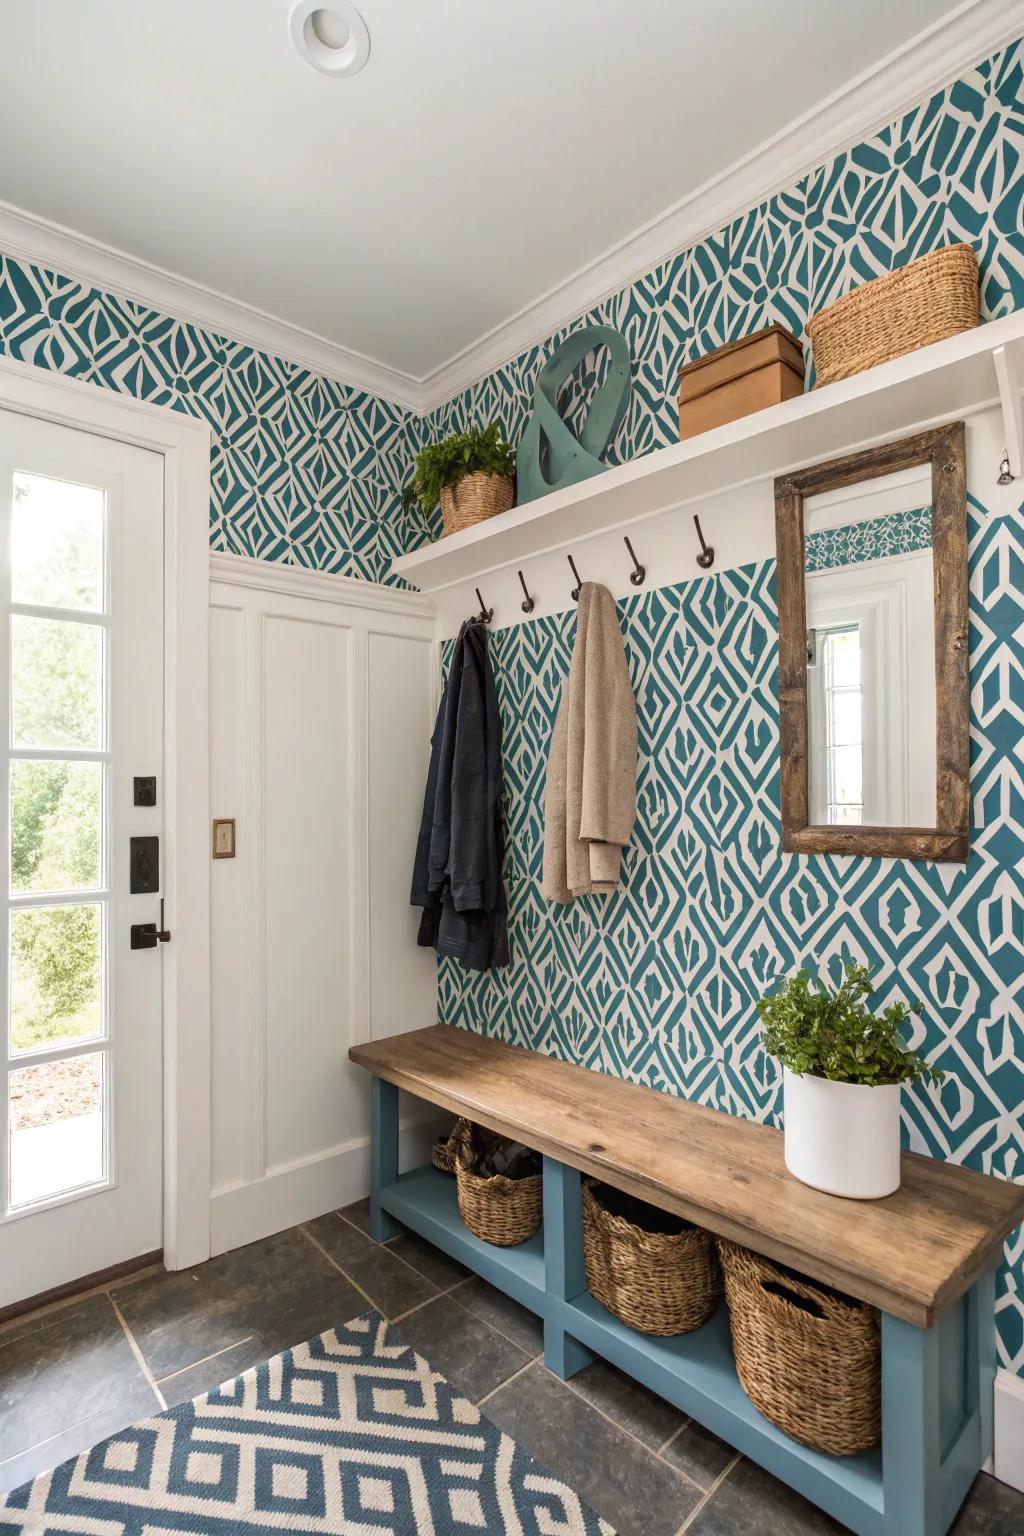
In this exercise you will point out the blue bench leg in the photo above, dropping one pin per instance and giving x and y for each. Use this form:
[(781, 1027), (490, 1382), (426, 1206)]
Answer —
[(937, 1386), (383, 1155), (564, 1276)]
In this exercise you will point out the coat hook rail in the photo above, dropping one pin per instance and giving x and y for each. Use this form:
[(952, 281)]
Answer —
[(485, 615), (638, 575), (575, 594), (706, 557), (527, 603)]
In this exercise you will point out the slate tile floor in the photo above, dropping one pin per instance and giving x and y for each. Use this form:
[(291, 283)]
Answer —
[(81, 1370)]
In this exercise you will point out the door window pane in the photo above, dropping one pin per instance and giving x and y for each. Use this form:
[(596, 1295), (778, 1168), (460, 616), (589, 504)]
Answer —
[(57, 543), (56, 991), (56, 683), (56, 1128), (55, 826)]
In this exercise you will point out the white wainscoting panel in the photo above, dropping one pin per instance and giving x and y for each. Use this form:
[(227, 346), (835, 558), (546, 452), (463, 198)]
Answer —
[(321, 714)]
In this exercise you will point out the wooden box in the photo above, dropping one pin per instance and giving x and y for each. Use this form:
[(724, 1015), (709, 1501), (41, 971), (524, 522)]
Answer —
[(741, 377)]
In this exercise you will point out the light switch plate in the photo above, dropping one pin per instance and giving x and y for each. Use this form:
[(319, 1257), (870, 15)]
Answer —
[(224, 837)]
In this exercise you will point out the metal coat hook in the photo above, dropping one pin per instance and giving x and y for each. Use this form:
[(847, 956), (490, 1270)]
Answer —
[(1005, 472), (706, 557), (485, 615), (638, 575), (527, 604), (575, 594)]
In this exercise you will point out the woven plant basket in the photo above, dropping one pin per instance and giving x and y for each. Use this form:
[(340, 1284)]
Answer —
[(474, 499), (497, 1210), (934, 297), (809, 1359), (656, 1282), (442, 1154)]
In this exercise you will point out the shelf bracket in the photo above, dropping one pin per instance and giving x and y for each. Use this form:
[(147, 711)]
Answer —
[(1008, 376)]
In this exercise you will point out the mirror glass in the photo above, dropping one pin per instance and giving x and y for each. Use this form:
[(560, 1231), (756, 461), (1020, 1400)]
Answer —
[(870, 604)]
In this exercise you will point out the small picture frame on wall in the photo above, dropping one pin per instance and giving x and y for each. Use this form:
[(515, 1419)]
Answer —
[(224, 837)]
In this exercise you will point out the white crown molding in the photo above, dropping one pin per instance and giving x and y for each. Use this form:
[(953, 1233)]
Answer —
[(31, 238), (321, 586), (892, 86), (966, 35)]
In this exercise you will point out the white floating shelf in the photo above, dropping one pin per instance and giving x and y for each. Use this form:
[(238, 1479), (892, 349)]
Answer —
[(938, 383)]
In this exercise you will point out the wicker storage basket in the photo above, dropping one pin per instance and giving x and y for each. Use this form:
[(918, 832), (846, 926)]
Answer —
[(442, 1154), (497, 1210), (656, 1282), (474, 499), (933, 297), (809, 1359)]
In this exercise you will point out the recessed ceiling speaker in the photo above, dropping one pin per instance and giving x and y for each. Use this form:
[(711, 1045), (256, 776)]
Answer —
[(333, 38)]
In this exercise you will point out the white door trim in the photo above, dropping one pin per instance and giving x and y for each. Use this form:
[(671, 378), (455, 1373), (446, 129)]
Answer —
[(184, 443)]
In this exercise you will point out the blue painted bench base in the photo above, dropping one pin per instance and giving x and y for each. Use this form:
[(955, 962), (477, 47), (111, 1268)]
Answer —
[(937, 1383)]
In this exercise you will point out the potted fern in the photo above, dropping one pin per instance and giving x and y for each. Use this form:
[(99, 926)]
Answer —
[(470, 474), (842, 1069)]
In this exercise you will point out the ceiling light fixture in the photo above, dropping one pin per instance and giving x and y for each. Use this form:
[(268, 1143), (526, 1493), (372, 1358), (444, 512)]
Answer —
[(333, 38)]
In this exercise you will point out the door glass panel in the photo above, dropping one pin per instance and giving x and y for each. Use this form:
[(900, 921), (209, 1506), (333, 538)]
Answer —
[(56, 980), (56, 683), (55, 1115), (55, 825), (57, 543)]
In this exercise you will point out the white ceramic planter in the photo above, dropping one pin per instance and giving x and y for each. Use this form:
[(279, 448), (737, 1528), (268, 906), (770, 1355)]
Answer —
[(843, 1138)]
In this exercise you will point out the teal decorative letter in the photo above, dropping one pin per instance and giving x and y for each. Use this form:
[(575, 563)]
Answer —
[(549, 456)]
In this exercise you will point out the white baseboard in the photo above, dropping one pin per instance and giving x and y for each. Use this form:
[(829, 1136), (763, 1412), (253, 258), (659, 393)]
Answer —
[(243, 1213), (1008, 1451)]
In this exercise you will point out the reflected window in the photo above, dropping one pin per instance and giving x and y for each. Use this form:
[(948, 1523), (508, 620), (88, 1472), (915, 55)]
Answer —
[(844, 724)]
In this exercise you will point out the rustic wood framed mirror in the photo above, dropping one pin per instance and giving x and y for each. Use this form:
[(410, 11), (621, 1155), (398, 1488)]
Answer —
[(873, 685)]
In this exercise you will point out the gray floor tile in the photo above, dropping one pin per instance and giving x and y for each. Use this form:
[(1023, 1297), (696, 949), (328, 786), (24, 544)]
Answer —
[(990, 1509), (391, 1285), (358, 1213), (141, 1403), (435, 1266), (624, 1482), (750, 1501), (699, 1453), (645, 1415), (78, 1366), (35, 1322), (184, 1385), (337, 1237), (517, 1323), (281, 1290), (462, 1347)]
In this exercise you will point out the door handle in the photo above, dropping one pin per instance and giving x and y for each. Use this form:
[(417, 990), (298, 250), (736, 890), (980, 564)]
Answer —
[(148, 935)]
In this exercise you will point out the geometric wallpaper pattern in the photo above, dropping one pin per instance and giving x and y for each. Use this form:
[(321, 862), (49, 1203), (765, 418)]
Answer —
[(303, 469), (658, 981), (897, 533)]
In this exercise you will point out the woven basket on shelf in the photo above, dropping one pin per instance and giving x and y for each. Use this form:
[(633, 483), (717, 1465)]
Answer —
[(474, 499), (934, 297), (442, 1154), (497, 1210), (808, 1358), (656, 1282)]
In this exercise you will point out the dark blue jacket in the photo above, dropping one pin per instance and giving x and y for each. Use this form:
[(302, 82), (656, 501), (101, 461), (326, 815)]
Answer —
[(457, 877)]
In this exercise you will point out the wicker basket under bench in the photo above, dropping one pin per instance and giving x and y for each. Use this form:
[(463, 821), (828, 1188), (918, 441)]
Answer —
[(925, 1258)]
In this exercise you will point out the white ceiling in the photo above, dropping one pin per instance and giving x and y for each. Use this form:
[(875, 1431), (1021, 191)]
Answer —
[(485, 153)]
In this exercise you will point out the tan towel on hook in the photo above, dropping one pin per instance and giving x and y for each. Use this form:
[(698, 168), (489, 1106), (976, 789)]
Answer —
[(590, 806)]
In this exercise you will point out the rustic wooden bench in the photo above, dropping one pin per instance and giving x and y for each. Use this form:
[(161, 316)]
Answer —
[(925, 1256)]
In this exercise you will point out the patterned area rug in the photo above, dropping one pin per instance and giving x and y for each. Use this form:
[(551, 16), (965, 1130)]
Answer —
[(351, 1434)]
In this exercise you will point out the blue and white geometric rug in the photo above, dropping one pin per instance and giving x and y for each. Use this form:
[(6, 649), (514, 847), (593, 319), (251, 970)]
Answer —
[(351, 1434)]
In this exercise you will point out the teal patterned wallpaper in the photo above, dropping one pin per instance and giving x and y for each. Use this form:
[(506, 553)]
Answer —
[(896, 533), (303, 469), (658, 983)]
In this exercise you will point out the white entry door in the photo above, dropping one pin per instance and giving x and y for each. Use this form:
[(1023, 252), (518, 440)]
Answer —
[(81, 695)]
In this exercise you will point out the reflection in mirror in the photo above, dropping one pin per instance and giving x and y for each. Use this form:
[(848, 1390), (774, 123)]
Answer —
[(870, 606)]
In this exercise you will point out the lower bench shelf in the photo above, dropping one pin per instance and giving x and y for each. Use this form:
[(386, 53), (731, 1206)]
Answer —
[(936, 1382)]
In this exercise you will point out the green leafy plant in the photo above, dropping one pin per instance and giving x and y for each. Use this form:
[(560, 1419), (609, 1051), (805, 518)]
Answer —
[(481, 450), (826, 1033)]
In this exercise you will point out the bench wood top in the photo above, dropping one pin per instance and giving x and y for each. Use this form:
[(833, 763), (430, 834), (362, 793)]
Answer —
[(912, 1254)]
